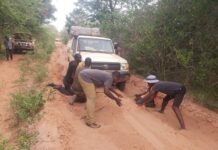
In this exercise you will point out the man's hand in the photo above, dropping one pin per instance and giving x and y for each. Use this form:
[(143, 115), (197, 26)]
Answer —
[(118, 102)]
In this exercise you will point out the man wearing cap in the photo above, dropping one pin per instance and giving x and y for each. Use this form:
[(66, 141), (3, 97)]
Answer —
[(173, 90)]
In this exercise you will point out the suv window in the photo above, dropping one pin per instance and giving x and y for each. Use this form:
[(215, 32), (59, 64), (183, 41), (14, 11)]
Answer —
[(95, 45), (74, 45)]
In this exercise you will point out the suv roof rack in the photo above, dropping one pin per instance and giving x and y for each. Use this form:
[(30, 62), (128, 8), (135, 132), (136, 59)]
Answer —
[(77, 30)]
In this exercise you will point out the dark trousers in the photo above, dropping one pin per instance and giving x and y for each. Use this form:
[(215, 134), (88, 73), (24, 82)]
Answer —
[(68, 85), (177, 96), (9, 54)]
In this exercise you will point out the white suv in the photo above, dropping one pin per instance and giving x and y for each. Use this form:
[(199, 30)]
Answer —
[(102, 53)]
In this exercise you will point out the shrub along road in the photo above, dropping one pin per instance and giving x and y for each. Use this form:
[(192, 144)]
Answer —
[(127, 127)]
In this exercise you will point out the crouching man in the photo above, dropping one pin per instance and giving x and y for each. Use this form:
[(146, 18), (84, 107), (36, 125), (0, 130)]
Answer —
[(173, 90), (89, 78)]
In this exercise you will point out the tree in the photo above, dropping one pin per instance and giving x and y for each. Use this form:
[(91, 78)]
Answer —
[(175, 39), (26, 15)]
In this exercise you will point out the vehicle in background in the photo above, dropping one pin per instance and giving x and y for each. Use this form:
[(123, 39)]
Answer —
[(88, 43), (23, 42)]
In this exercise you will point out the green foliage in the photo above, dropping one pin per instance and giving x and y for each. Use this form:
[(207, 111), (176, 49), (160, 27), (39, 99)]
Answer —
[(45, 43), (4, 144), (41, 73), (206, 98), (26, 139), (27, 104), (24, 15), (64, 36), (25, 69), (184, 56), (174, 39), (34, 64), (2, 55)]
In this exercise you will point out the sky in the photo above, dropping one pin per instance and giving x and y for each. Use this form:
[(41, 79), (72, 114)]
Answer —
[(64, 7)]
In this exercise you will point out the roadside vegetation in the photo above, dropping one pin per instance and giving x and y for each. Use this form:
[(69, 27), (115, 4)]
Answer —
[(34, 65), (29, 16), (27, 104), (174, 39), (2, 54), (24, 139)]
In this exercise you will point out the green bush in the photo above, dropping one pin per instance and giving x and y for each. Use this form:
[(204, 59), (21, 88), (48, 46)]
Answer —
[(205, 97), (4, 144), (2, 55), (40, 73), (26, 139), (27, 104), (24, 70)]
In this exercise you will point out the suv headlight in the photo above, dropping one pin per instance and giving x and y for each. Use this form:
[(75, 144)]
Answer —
[(125, 66)]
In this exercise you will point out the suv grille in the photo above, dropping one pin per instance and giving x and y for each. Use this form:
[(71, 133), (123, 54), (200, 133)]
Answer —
[(106, 66)]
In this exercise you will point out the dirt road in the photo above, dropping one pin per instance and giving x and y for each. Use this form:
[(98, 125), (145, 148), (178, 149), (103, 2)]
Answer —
[(123, 128), (9, 74), (129, 127)]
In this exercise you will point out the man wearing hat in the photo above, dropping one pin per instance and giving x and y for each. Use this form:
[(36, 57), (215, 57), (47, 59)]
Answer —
[(173, 90)]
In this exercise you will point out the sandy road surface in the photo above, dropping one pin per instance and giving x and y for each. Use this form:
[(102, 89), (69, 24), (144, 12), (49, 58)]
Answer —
[(123, 128), (9, 74), (129, 127)]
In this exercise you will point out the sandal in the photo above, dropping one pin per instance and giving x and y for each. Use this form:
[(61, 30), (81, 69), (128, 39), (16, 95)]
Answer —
[(93, 125)]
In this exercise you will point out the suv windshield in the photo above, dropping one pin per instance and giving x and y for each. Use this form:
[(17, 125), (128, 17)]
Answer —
[(95, 45)]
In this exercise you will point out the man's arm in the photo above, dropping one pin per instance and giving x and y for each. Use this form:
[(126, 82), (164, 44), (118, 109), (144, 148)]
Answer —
[(141, 93), (115, 92), (109, 94), (150, 95)]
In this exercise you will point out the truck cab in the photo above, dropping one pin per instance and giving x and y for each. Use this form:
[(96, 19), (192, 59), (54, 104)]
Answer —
[(101, 51)]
